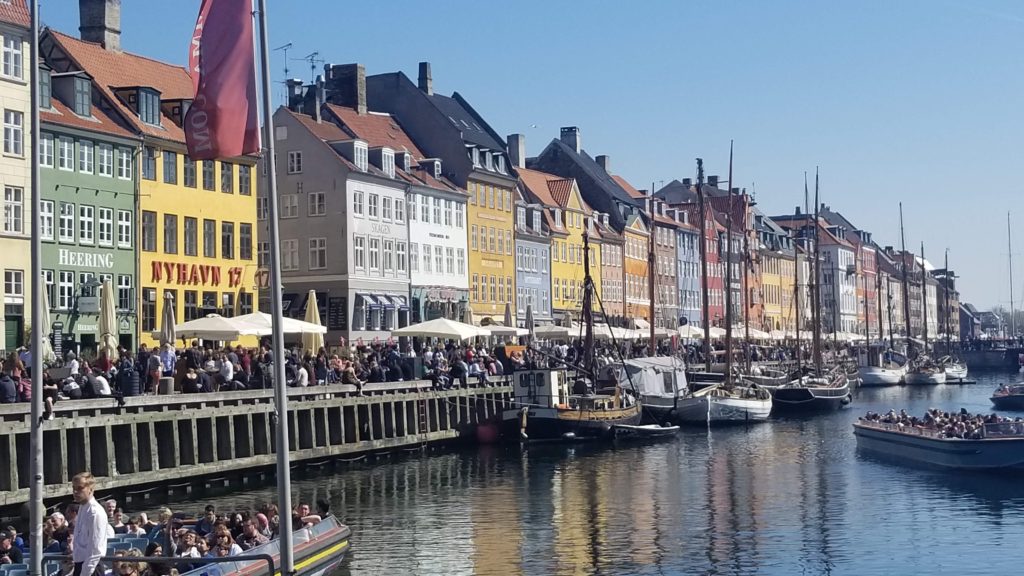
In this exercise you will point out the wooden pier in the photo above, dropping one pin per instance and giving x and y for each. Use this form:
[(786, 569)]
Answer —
[(167, 439)]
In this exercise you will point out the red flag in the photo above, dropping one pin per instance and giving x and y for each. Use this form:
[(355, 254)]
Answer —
[(221, 123)]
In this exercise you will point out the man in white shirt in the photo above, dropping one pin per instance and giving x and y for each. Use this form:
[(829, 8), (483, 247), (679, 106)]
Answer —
[(90, 535)]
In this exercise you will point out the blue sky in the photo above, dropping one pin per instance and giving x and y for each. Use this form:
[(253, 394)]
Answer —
[(901, 100)]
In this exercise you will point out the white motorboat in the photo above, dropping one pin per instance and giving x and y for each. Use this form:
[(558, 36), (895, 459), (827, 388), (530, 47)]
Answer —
[(722, 404), (955, 369), (879, 367), (925, 371)]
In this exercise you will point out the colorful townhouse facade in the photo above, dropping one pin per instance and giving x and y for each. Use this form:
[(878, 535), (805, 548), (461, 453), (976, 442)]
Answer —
[(195, 224), (473, 157), (15, 172)]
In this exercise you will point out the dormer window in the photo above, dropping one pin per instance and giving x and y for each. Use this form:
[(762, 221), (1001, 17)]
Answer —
[(489, 160), (406, 161), (361, 156), (474, 155), (536, 220), (83, 97), (387, 162), (501, 164), (521, 218), (149, 106), (437, 169), (45, 89), (558, 217)]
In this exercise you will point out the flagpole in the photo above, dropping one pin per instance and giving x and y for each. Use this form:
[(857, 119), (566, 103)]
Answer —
[(284, 484), (36, 282)]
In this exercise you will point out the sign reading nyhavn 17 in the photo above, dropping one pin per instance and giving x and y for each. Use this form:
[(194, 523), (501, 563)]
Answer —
[(194, 274)]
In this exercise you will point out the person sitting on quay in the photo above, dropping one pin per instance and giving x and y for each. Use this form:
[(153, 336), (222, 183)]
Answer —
[(9, 553)]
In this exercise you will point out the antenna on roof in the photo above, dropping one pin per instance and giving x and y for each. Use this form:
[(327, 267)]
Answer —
[(285, 49), (313, 59)]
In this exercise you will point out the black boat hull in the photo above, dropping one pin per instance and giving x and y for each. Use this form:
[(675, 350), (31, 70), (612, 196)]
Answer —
[(793, 400), (1013, 402)]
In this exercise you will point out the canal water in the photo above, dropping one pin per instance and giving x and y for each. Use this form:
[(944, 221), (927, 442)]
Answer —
[(791, 496)]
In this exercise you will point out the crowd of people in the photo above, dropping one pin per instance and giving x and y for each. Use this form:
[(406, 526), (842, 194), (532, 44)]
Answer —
[(168, 534), (962, 424)]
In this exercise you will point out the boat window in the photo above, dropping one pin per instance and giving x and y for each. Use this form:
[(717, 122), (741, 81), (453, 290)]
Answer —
[(666, 378)]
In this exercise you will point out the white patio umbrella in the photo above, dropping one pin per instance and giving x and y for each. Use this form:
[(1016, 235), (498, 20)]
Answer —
[(497, 330), (778, 335), (691, 331), (167, 334), (716, 332), (312, 342), (261, 324), (211, 327), (549, 331), (108, 321), (47, 327), (442, 328)]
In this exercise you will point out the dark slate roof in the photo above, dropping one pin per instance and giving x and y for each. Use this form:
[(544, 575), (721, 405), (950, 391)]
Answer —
[(675, 192), (462, 116), (835, 218), (597, 173)]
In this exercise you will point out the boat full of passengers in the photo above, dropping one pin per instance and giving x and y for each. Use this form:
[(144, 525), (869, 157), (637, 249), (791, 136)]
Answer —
[(956, 440)]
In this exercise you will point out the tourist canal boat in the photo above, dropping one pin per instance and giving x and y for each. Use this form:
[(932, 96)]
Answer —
[(318, 549), (1000, 447), (1009, 397)]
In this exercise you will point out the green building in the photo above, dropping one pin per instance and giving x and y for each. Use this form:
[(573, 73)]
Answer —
[(88, 186)]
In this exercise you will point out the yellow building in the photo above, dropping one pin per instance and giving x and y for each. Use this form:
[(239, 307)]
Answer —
[(569, 217), (16, 225), (635, 247), (491, 249), (772, 291), (196, 220)]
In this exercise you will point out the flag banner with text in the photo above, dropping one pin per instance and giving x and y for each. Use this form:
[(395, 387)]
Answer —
[(222, 120)]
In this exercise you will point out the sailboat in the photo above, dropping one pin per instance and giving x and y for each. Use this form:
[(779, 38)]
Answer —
[(733, 399), (297, 551), (954, 368), (878, 364), (564, 402), (923, 369), (815, 388)]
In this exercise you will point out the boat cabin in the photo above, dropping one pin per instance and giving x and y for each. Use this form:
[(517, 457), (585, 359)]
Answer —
[(880, 356), (542, 388)]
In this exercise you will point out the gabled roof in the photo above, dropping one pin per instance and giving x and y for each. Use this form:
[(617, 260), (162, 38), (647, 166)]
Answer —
[(376, 128), (115, 69), (633, 192), (549, 189), (15, 12)]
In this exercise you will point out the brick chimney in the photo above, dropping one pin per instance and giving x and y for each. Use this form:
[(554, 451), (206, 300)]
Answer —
[(425, 80), (604, 161), (100, 22), (517, 149), (570, 135), (687, 183), (713, 181), (294, 86), (346, 85)]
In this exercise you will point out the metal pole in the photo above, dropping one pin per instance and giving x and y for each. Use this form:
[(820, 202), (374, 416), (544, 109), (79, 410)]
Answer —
[(728, 275), (705, 312), (1009, 246), (651, 261), (284, 485), (36, 432)]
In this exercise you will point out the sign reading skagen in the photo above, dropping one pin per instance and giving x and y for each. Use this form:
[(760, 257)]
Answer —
[(67, 257)]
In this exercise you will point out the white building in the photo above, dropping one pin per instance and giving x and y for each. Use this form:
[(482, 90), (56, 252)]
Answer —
[(838, 281)]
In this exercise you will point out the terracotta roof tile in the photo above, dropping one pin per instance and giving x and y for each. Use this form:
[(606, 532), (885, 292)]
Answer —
[(326, 131), (15, 12), (377, 129), (633, 192), (100, 122), (551, 190), (112, 69)]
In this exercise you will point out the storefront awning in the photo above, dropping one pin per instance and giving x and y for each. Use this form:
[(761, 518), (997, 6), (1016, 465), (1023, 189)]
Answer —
[(401, 302), (369, 301)]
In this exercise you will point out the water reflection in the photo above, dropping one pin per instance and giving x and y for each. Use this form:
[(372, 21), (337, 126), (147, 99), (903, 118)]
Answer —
[(791, 496)]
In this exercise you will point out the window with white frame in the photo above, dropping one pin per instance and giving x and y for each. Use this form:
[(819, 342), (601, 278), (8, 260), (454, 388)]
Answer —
[(372, 206), (357, 202), (427, 255), (460, 215), (448, 213), (125, 292), (460, 261), (437, 210), (105, 226), (317, 253), (14, 285), (361, 155), (521, 217), (414, 200), (289, 206), (263, 254), (536, 220), (295, 162), (105, 165), (359, 252), (13, 210), (317, 204), (389, 256), (67, 222), (425, 210), (449, 260), (388, 162), (66, 153), (14, 132), (439, 259), (46, 150), (400, 260), (262, 207), (66, 290), (289, 255), (46, 219), (385, 208), (12, 67), (85, 156), (124, 163), (124, 228), (414, 257), (375, 254)]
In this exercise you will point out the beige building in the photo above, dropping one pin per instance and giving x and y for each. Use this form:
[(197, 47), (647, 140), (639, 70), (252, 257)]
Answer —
[(16, 227)]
